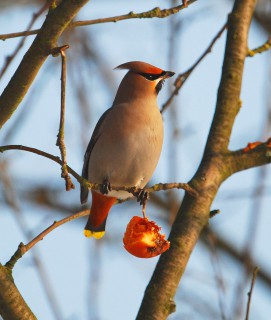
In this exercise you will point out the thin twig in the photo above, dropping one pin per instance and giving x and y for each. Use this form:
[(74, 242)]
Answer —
[(22, 248), (173, 185), (21, 43), (264, 47), (154, 13), (97, 186), (60, 137), (214, 212), (255, 272), (179, 82)]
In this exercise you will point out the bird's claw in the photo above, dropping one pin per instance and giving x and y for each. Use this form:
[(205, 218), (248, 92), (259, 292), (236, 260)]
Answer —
[(105, 187), (142, 196)]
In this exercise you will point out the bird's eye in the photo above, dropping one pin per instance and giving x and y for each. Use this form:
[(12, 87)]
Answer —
[(150, 77)]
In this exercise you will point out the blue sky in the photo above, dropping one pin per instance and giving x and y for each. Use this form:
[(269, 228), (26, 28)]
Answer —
[(101, 280)]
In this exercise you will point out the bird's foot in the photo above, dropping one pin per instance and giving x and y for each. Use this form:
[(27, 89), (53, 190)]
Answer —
[(105, 187), (142, 197)]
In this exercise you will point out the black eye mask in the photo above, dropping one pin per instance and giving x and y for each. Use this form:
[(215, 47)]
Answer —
[(151, 76)]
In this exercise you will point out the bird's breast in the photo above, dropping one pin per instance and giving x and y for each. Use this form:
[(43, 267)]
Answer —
[(128, 148)]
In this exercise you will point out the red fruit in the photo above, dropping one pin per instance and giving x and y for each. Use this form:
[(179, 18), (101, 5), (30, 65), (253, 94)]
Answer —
[(143, 239)]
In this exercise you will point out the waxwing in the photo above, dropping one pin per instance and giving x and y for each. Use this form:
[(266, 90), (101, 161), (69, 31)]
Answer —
[(126, 143)]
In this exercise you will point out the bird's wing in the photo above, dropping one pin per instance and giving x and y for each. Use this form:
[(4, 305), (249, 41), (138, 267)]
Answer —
[(92, 142)]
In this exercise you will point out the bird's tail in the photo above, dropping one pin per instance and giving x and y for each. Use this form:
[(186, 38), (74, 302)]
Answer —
[(100, 208)]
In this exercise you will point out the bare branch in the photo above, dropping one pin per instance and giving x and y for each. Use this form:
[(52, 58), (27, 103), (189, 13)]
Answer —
[(179, 82), (11, 199), (21, 43), (264, 47), (244, 159), (55, 23), (154, 13), (97, 186), (22, 249)]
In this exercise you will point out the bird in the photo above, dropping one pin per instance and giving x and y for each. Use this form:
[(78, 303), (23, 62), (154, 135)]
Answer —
[(126, 143)]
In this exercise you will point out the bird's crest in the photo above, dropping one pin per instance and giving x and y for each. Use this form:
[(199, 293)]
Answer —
[(140, 67)]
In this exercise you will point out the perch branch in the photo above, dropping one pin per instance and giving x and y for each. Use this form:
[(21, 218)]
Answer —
[(96, 186)]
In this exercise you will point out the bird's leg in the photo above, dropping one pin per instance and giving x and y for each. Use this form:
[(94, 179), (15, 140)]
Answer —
[(142, 198), (105, 187), (144, 208)]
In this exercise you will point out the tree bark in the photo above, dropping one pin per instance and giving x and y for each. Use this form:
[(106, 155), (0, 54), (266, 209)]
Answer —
[(216, 166), (12, 305)]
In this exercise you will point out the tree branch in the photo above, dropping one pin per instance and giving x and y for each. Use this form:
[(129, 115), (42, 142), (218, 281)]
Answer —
[(97, 186), (264, 47), (60, 137), (179, 82), (228, 101), (243, 160), (22, 41), (56, 22), (215, 167), (153, 13), (22, 249)]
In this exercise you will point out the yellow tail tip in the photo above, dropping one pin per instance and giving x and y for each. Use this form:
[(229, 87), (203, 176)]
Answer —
[(96, 235), (88, 233)]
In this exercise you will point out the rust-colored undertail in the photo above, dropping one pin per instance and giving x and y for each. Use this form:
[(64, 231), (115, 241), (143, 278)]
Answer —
[(100, 208)]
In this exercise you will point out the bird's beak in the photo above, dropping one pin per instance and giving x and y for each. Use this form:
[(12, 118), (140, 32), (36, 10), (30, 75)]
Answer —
[(168, 74)]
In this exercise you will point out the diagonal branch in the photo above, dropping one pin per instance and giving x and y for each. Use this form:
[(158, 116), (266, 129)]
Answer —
[(56, 22), (21, 43), (12, 304), (23, 248), (179, 82)]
